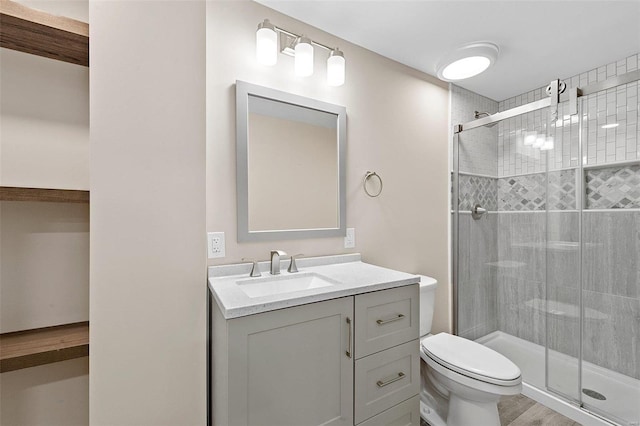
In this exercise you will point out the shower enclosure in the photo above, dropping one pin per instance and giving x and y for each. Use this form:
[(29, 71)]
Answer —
[(546, 239)]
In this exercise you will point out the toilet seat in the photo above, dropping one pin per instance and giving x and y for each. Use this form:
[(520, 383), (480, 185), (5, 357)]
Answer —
[(471, 359)]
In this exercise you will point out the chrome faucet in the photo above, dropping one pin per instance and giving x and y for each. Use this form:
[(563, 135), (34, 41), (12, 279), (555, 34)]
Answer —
[(275, 261)]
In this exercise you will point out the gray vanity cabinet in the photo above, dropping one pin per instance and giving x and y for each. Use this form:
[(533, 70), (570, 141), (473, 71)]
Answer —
[(285, 367), (303, 365)]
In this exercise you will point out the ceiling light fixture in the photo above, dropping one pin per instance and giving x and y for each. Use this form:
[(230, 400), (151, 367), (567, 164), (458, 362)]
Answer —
[(301, 48), (467, 61), (610, 126)]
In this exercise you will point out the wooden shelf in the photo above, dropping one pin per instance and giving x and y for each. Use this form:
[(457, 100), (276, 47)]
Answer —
[(13, 193), (40, 33), (29, 348)]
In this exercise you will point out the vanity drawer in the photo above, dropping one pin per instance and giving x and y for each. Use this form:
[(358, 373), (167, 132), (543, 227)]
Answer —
[(385, 379), (404, 414), (386, 318)]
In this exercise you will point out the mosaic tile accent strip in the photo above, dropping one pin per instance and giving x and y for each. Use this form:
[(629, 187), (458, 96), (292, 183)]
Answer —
[(522, 193), (476, 189), (529, 192), (613, 188), (562, 190)]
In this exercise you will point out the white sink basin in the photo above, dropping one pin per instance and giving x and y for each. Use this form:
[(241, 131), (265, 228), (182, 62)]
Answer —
[(286, 283)]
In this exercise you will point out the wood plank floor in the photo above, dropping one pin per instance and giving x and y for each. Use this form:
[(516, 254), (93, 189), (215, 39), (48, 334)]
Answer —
[(518, 410)]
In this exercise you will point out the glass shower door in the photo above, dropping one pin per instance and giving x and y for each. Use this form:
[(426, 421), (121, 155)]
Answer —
[(549, 276), (611, 254), (563, 207)]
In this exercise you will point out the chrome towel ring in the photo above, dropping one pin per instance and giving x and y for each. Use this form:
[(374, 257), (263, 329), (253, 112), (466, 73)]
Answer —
[(368, 176)]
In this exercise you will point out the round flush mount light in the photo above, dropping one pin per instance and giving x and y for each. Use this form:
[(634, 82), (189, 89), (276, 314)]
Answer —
[(467, 61)]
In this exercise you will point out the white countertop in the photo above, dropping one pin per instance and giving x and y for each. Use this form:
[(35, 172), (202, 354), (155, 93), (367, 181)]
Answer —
[(352, 276)]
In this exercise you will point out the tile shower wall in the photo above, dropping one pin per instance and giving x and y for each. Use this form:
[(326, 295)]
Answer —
[(474, 190), (478, 240), (477, 156), (529, 192), (613, 188), (477, 252), (614, 106)]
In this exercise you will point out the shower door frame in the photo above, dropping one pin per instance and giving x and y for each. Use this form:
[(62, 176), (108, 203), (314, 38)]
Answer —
[(572, 95)]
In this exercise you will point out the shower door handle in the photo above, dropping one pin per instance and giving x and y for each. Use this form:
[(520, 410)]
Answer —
[(477, 211)]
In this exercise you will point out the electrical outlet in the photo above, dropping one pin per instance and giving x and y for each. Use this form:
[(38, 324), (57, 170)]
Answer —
[(350, 239), (215, 244)]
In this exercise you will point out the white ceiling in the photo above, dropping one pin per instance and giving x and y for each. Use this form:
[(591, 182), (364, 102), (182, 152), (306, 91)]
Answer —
[(539, 40)]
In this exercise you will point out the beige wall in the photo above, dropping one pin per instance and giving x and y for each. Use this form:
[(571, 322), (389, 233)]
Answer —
[(148, 247), (47, 395), (397, 124), (44, 122), (44, 272)]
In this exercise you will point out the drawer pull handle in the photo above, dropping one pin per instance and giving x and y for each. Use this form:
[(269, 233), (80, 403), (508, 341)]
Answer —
[(349, 347), (387, 321), (383, 383)]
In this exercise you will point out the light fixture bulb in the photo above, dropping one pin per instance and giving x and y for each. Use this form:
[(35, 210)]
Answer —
[(466, 67), (539, 141), (335, 68), (548, 144), (304, 57), (467, 61), (530, 138), (266, 43)]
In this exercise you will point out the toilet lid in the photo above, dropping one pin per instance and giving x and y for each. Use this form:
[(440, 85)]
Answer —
[(471, 359)]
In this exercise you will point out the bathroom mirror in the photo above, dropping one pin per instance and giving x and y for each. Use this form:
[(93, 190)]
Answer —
[(290, 171)]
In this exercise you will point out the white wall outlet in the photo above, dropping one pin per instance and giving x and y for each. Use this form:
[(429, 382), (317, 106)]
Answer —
[(350, 239), (215, 244)]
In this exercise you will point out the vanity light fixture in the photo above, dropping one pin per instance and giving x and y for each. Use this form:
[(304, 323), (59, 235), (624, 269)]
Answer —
[(467, 61), (303, 57), (266, 43), (301, 48), (335, 68)]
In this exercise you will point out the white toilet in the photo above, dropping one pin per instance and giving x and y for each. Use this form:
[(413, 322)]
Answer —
[(462, 381)]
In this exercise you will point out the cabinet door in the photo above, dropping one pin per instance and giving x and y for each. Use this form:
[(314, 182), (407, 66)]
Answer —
[(291, 367)]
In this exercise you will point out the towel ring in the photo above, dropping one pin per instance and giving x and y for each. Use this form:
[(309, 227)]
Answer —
[(368, 176)]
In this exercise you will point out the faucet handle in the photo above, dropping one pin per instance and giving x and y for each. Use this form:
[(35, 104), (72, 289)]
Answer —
[(292, 264), (255, 268)]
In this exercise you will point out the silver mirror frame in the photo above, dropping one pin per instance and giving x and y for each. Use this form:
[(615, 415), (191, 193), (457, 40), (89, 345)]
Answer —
[(243, 91)]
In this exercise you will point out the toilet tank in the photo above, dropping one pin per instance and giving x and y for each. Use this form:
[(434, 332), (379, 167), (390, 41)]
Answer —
[(427, 302)]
